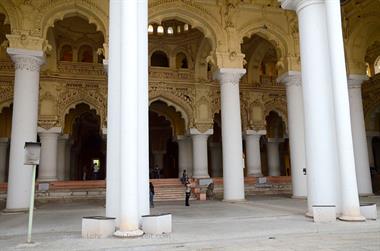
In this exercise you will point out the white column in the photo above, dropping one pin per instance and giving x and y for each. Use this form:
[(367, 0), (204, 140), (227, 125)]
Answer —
[(184, 159), (189, 154), (233, 173), (133, 124), (68, 159), (200, 160), (24, 124), (292, 81), (323, 186), (349, 189), (253, 155), (363, 174), (370, 136), (143, 109), (216, 159), (4, 142), (273, 156), (61, 158), (113, 113), (47, 170)]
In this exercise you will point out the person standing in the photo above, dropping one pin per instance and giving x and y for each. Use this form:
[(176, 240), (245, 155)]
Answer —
[(187, 192), (151, 194)]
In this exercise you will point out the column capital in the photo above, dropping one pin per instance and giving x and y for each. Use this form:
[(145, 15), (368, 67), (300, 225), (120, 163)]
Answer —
[(254, 132), (298, 5), (29, 60), (290, 78), (105, 65), (229, 75), (64, 137), (53, 130), (356, 80), (195, 131)]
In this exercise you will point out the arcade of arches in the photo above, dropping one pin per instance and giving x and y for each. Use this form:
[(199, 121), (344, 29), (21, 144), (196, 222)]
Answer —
[(54, 82)]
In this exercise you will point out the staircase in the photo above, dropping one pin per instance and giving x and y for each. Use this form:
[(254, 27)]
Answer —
[(169, 190)]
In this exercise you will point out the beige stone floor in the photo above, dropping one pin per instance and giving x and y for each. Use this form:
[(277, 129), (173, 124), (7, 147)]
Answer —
[(260, 223)]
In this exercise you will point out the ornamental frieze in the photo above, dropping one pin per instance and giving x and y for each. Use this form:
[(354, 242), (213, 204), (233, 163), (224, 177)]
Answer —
[(171, 74), (6, 91), (79, 68)]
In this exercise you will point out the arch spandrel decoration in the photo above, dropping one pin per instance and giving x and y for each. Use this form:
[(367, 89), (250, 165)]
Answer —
[(274, 35), (52, 11), (191, 13), (6, 94), (12, 14), (177, 103), (72, 97)]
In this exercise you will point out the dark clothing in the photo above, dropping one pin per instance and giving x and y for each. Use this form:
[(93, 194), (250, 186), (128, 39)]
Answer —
[(187, 199), (151, 194)]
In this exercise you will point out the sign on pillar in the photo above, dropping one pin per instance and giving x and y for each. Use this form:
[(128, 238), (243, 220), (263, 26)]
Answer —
[(32, 157)]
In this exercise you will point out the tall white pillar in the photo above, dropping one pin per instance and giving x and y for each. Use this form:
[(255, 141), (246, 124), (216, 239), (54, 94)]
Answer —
[(61, 158), (349, 189), (184, 158), (233, 173), (292, 81), (216, 159), (113, 113), (323, 186), (253, 154), (200, 159), (24, 124), (370, 136), (189, 154), (47, 170), (133, 112), (363, 174), (68, 159), (273, 156), (4, 142)]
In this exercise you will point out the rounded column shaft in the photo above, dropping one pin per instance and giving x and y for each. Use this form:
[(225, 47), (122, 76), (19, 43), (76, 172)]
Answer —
[(292, 80), (253, 155), (233, 173), (61, 158), (363, 174), (323, 187), (47, 170), (4, 142), (273, 155), (216, 159), (200, 160), (24, 125), (184, 158)]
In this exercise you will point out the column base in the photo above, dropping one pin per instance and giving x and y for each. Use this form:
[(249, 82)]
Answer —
[(128, 234), (309, 215), (15, 210), (358, 218)]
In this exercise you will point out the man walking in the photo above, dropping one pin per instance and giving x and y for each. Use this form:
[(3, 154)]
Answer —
[(187, 192)]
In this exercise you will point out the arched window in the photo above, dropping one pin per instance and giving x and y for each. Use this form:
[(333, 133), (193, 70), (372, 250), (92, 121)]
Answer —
[(66, 53), (181, 61), (170, 31), (377, 65), (160, 29), (159, 58), (150, 29), (85, 54)]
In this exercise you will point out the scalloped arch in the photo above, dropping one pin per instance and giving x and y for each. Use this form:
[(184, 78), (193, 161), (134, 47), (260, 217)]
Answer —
[(185, 112), (5, 104), (280, 111), (71, 9), (271, 33), (195, 16), (73, 104)]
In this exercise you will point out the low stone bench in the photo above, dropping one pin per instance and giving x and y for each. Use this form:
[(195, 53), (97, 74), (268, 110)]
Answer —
[(368, 210), (157, 224), (324, 213), (97, 227)]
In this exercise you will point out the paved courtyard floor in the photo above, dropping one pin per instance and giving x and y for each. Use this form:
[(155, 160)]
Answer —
[(260, 223)]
